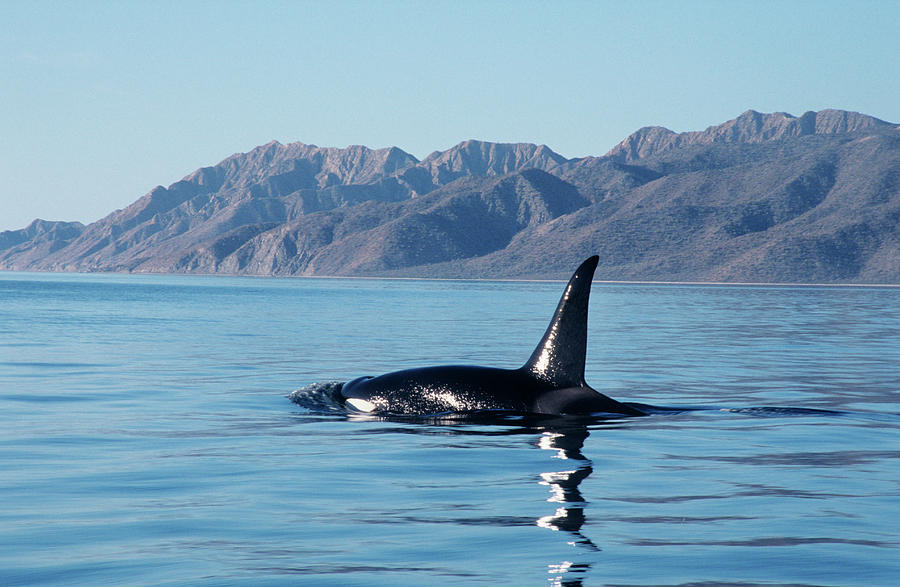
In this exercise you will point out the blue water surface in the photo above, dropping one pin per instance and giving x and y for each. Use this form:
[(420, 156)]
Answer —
[(147, 438)]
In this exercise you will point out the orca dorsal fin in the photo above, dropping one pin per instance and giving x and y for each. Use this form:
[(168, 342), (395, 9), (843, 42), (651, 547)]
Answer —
[(559, 358)]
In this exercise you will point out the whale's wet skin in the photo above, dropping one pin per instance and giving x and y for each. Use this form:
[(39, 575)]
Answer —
[(550, 382)]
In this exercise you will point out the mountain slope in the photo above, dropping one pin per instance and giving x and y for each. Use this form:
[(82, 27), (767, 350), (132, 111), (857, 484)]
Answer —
[(831, 214), (763, 197)]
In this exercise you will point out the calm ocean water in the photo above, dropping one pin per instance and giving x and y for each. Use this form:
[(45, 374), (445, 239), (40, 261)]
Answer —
[(147, 438)]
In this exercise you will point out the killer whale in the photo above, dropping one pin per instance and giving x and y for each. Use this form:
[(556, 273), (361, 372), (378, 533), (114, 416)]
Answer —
[(550, 382)]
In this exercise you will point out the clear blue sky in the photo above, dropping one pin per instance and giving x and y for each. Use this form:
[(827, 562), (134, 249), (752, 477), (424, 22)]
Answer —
[(102, 101)]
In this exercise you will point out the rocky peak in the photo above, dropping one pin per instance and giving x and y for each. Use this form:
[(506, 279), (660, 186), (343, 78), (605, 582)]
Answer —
[(40, 230), (487, 159), (749, 127), (644, 142), (302, 166), (842, 121)]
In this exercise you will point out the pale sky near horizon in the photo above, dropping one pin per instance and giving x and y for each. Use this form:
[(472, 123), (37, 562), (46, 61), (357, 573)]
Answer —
[(101, 101)]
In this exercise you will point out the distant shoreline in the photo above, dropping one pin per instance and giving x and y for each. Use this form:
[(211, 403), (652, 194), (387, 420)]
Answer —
[(463, 279)]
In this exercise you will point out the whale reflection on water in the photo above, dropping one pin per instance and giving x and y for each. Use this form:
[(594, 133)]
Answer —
[(564, 490), (564, 436), (564, 485)]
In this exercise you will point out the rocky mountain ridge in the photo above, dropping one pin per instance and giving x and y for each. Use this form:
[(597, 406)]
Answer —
[(749, 127), (763, 197)]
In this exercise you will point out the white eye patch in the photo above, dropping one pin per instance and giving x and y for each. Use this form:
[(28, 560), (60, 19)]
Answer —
[(360, 404)]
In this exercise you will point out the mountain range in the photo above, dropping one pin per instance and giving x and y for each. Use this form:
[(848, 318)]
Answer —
[(760, 198)]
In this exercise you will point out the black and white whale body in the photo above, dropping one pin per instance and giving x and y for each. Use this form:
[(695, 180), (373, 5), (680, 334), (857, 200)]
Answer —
[(551, 382)]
